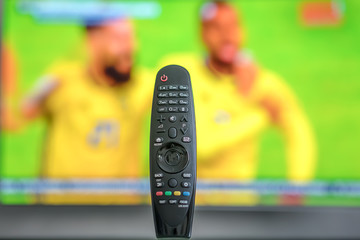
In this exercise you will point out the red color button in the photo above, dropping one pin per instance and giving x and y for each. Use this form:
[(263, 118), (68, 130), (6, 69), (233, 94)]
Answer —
[(164, 78), (159, 193)]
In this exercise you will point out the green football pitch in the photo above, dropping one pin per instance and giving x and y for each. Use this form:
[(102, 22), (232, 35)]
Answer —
[(321, 64)]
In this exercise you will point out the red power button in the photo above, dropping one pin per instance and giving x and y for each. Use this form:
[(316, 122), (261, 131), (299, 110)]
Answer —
[(163, 78)]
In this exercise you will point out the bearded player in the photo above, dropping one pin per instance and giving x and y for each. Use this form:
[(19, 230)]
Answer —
[(95, 109)]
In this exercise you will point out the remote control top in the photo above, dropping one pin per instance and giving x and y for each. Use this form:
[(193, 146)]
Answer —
[(173, 153)]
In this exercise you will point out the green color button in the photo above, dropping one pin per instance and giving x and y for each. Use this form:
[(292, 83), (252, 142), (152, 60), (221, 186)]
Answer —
[(168, 193)]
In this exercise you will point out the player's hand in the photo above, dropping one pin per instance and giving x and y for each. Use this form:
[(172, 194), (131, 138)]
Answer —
[(272, 107), (8, 120), (30, 110), (245, 76)]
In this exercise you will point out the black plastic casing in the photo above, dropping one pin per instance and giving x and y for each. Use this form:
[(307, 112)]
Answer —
[(173, 220)]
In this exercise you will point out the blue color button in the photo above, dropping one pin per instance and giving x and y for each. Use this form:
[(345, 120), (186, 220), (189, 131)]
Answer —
[(186, 193)]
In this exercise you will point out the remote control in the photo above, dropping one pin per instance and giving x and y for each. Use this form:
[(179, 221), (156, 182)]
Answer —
[(173, 153)]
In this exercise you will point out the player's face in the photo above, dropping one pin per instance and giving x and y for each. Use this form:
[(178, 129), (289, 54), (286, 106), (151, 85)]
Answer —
[(112, 49), (118, 45), (221, 35)]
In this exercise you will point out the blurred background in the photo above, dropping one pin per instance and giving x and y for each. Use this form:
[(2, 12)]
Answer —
[(302, 65)]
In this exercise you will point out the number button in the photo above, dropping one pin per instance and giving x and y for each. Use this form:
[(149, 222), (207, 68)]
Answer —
[(173, 94), (172, 102), (162, 109), (173, 109), (173, 87), (162, 102), (162, 95)]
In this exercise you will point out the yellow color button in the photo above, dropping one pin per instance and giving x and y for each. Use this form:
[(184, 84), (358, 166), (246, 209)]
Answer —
[(177, 193)]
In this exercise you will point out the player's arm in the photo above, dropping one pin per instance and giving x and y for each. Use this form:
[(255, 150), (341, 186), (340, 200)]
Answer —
[(8, 88), (301, 147), (214, 138), (33, 104), (289, 116), (13, 116)]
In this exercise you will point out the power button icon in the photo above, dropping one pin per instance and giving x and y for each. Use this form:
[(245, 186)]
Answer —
[(163, 78)]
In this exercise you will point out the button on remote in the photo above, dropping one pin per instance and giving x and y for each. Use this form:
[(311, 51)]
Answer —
[(162, 102), (183, 201), (183, 94), (183, 87), (186, 194), (159, 184), (162, 95), (184, 130), (173, 102), (186, 184), (158, 175), (183, 109), (173, 87), (186, 175), (172, 119), (162, 109), (173, 94), (160, 131), (172, 182), (172, 132), (173, 109), (172, 158), (184, 119), (161, 118)]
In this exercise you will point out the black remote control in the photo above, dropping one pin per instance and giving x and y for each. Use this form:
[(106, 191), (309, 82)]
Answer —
[(173, 153)]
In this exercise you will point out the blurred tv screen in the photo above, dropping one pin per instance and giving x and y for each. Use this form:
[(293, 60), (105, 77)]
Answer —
[(284, 131)]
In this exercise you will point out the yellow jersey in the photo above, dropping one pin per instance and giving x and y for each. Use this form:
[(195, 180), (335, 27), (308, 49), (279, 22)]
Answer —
[(229, 124), (94, 130)]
